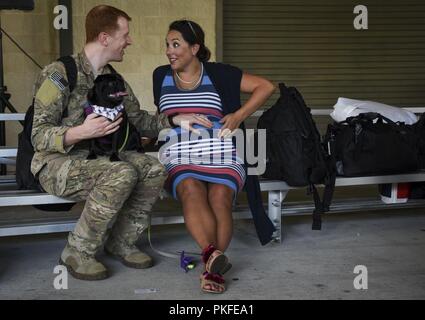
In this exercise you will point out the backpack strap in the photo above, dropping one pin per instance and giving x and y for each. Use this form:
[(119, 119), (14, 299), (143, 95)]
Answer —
[(331, 178), (318, 209), (71, 71), (71, 74), (322, 206)]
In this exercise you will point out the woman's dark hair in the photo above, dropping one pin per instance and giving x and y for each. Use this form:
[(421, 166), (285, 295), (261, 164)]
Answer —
[(193, 34)]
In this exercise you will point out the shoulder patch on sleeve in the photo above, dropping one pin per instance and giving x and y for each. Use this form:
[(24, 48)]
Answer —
[(48, 92), (58, 80)]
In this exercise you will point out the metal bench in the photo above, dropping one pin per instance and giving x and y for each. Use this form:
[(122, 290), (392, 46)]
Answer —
[(277, 192)]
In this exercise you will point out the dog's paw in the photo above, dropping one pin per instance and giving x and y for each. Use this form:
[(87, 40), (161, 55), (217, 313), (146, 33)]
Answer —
[(91, 156), (114, 157)]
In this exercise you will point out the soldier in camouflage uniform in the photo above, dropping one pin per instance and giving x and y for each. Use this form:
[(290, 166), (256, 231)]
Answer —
[(120, 194)]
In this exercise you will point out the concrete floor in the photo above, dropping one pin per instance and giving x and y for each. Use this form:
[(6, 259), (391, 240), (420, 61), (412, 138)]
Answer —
[(307, 265)]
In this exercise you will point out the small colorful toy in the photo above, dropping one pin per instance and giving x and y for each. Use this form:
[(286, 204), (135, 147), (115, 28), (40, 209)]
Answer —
[(187, 262)]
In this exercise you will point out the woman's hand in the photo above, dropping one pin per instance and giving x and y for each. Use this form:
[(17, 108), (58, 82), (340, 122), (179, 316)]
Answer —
[(231, 122), (188, 119), (260, 89)]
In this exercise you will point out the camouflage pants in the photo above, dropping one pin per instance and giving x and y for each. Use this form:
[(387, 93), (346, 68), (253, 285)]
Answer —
[(124, 190)]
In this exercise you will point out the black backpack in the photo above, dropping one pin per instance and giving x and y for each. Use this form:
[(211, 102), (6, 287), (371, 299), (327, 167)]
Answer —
[(24, 177), (294, 151)]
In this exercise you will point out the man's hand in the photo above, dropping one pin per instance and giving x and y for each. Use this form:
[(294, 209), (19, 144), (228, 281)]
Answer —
[(94, 126)]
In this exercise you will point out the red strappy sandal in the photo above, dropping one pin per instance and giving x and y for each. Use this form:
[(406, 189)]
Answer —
[(215, 260), (212, 283)]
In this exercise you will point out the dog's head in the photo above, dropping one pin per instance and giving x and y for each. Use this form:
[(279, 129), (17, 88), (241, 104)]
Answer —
[(108, 91)]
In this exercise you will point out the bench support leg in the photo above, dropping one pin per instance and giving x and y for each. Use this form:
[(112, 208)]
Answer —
[(275, 212)]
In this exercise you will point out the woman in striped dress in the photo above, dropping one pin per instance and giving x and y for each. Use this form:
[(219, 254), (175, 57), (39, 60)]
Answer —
[(205, 172)]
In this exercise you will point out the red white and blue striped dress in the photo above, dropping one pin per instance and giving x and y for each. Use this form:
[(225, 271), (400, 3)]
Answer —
[(207, 157)]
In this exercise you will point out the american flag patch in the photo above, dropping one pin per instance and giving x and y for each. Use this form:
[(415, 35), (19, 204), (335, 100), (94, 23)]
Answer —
[(58, 80)]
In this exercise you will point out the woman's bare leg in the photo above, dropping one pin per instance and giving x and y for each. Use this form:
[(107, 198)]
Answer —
[(199, 218), (220, 198)]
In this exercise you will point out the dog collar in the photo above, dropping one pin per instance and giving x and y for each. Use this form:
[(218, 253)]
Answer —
[(108, 112)]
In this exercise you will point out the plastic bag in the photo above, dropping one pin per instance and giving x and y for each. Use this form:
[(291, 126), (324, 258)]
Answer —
[(345, 108)]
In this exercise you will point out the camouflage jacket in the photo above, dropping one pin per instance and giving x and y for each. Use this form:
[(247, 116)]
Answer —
[(52, 95)]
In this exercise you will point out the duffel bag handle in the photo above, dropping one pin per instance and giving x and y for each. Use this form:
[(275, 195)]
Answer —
[(381, 117), (370, 116)]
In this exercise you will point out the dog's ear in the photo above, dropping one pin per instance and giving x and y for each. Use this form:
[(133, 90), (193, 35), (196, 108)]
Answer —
[(121, 82), (119, 77)]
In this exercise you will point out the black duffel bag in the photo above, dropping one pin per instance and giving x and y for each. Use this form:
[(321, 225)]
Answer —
[(420, 132), (361, 146)]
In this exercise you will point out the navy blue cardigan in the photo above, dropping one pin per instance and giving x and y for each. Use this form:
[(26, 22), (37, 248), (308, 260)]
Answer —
[(227, 81)]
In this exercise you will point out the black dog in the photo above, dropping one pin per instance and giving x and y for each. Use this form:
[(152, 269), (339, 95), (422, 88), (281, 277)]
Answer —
[(105, 98)]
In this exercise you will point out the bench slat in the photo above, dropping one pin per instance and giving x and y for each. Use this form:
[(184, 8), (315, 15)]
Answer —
[(52, 227), (327, 112), (30, 199), (291, 209), (397, 178), (269, 185), (13, 198), (12, 116), (8, 152)]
